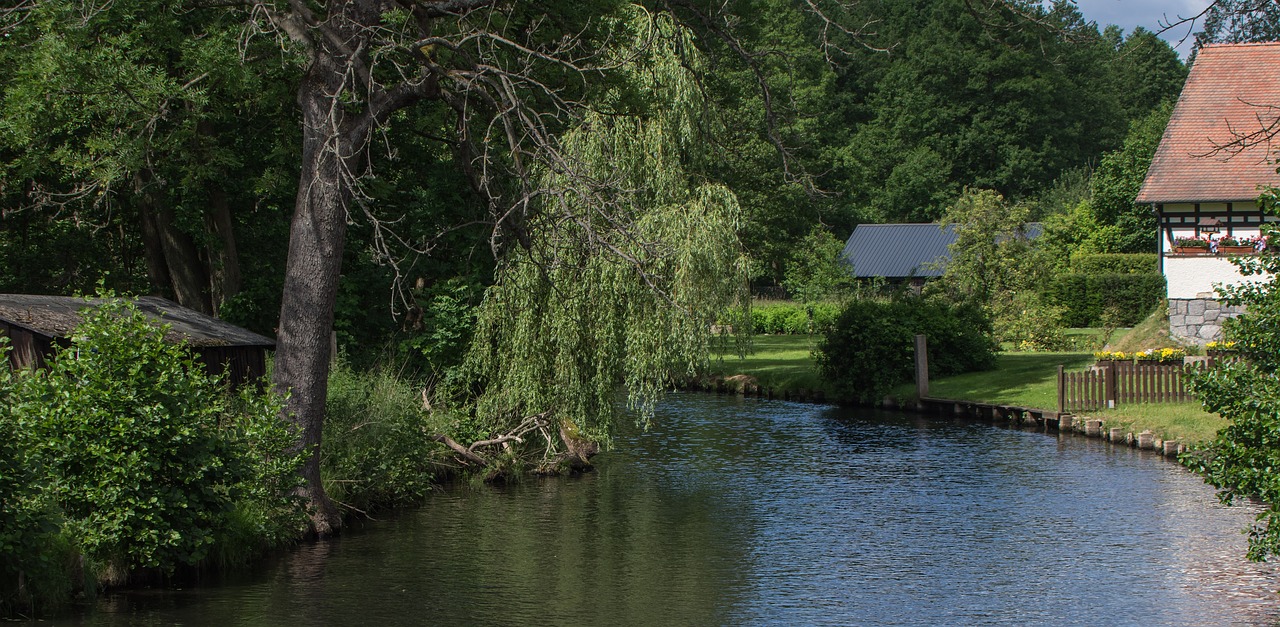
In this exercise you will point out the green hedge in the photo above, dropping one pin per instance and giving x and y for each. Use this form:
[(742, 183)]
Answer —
[(788, 318), (1115, 263), (871, 347), (1085, 297)]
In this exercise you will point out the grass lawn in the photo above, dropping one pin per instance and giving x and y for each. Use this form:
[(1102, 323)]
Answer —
[(1027, 379), (785, 362), (782, 362)]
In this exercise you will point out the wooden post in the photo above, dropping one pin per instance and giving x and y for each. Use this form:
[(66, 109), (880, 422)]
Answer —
[(1109, 387), (922, 367), (1062, 391)]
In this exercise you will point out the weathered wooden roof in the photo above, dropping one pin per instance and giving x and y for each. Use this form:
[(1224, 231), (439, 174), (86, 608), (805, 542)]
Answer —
[(57, 316), (1231, 91), (897, 251)]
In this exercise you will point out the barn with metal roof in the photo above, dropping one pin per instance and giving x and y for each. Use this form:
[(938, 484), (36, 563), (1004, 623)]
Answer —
[(914, 251), (899, 251)]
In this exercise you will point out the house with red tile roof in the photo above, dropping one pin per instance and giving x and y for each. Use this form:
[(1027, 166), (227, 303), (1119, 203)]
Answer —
[(1204, 181)]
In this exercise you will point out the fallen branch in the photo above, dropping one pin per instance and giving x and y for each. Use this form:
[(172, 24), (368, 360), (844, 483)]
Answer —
[(460, 449), (468, 453)]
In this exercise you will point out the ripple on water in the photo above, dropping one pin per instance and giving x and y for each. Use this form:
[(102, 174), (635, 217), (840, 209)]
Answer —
[(737, 511)]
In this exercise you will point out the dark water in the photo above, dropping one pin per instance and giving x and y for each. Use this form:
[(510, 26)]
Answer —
[(745, 512)]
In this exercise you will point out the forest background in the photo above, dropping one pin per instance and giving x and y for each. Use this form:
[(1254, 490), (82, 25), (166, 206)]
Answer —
[(154, 146)]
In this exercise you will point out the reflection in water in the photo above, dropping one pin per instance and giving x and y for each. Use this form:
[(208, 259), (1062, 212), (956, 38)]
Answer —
[(734, 511)]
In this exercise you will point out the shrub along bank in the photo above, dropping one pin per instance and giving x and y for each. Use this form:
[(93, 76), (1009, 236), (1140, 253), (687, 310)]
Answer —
[(871, 347), (126, 462), (124, 459), (791, 318)]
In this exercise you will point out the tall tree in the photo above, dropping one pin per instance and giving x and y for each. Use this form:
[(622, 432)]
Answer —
[(1118, 180), (1240, 21), (1000, 96), (1147, 71), (146, 118)]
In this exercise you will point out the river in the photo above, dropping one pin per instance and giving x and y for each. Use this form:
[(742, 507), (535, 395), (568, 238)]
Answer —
[(736, 511)]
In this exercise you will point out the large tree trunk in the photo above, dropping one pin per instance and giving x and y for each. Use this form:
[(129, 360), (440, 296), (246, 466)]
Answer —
[(332, 148), (224, 261), (173, 259), (157, 269), (187, 273)]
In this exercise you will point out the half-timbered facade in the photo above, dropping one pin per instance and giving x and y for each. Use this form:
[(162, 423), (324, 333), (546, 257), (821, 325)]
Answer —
[(1205, 179)]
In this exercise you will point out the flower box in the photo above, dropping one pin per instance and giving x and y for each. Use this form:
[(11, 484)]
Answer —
[(1236, 250), (1191, 245)]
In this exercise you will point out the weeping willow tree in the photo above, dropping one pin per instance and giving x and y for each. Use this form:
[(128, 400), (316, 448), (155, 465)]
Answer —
[(630, 258)]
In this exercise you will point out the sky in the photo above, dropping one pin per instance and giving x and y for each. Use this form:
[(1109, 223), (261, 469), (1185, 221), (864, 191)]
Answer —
[(1149, 14)]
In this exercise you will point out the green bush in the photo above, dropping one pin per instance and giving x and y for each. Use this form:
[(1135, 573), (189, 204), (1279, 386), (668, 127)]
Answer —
[(28, 523), (145, 460), (825, 316), (1085, 297), (377, 449), (767, 319), (1023, 322), (871, 347), (796, 321), (791, 318), (1115, 263), (440, 326)]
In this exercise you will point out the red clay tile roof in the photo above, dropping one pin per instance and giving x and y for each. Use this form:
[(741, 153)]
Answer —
[(1233, 89)]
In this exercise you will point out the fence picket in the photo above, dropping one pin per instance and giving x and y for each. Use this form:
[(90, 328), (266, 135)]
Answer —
[(1133, 383)]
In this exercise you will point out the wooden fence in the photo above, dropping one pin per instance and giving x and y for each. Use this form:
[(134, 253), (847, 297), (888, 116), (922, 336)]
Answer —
[(1107, 386)]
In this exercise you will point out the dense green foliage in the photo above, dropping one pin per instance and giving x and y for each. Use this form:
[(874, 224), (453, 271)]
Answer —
[(378, 449), (816, 271), (28, 521), (624, 293), (1086, 298), (871, 347), (996, 265), (141, 459), (788, 318), (1128, 227), (982, 97), (1243, 460), (1115, 263)]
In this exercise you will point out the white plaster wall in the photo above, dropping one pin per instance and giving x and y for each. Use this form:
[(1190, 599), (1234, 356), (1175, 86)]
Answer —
[(1195, 277)]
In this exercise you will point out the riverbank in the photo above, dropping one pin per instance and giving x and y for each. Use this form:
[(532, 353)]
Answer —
[(676, 527), (784, 364)]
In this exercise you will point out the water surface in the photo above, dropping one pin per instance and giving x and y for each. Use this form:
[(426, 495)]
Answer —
[(747, 512)]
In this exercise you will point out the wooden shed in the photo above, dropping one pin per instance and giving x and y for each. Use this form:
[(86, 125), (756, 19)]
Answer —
[(35, 324)]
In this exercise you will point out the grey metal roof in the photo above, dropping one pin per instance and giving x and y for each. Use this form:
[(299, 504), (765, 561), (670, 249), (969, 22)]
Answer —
[(56, 316), (897, 251)]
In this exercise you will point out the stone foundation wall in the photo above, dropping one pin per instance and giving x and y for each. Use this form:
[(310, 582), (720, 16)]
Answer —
[(1198, 320)]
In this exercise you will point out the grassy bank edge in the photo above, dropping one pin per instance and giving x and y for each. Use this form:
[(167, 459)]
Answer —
[(785, 363)]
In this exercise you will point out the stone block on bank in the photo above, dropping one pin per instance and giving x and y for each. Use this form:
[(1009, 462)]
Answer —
[(1146, 440)]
